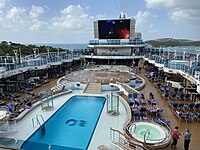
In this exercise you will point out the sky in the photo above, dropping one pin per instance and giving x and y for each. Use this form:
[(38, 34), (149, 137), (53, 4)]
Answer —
[(71, 21)]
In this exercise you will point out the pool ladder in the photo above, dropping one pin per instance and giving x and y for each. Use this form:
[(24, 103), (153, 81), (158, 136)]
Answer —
[(37, 120)]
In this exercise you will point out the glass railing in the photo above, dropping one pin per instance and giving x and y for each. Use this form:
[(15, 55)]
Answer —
[(119, 43), (40, 60), (177, 63), (163, 58)]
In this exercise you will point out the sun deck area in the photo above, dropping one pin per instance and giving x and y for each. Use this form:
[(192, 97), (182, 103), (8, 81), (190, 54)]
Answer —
[(25, 128)]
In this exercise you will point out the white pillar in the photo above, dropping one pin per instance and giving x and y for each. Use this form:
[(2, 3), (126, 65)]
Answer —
[(20, 56), (34, 52), (175, 55), (168, 53)]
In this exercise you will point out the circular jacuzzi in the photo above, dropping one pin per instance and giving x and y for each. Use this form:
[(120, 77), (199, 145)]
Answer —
[(150, 132)]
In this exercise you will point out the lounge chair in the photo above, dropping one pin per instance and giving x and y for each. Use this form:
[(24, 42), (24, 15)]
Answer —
[(190, 106), (181, 106), (182, 96), (142, 96), (165, 95), (152, 102), (10, 107), (2, 102), (190, 117), (181, 115), (196, 107), (187, 97), (172, 96), (174, 105)]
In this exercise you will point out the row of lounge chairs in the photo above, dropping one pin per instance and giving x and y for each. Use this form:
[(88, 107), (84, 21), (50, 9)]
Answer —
[(7, 96), (160, 121), (188, 112), (15, 108), (176, 96), (154, 76), (183, 106), (168, 92), (25, 86), (188, 116)]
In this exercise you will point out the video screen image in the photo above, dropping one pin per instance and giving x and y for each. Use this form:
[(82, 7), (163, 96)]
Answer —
[(114, 29)]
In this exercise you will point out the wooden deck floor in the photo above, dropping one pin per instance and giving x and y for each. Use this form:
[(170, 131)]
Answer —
[(169, 115)]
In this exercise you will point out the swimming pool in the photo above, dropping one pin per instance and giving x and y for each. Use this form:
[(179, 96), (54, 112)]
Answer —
[(71, 127)]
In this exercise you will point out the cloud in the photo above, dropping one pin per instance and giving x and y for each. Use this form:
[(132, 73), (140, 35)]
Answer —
[(3, 3), (38, 25), (143, 22), (152, 29), (15, 13), (190, 16), (73, 17), (186, 11), (187, 4), (36, 11), (73, 21), (159, 3), (142, 17)]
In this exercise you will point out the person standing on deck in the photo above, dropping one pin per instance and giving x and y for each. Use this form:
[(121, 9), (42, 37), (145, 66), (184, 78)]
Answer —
[(175, 136), (187, 136)]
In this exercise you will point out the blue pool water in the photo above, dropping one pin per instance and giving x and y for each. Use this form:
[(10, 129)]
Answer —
[(135, 83), (71, 127)]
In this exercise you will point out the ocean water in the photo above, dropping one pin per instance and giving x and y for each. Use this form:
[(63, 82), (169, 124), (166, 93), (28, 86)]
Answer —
[(67, 46)]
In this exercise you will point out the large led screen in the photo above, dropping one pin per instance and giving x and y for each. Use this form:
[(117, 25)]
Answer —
[(114, 29)]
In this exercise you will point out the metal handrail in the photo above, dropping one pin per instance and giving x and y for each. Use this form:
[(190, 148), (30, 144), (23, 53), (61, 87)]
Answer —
[(147, 133), (134, 125), (37, 116), (37, 122), (37, 119), (123, 139)]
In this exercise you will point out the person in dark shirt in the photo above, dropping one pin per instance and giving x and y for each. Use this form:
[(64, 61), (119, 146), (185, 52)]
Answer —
[(187, 136)]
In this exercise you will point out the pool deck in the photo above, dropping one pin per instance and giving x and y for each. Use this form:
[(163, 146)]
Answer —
[(102, 133)]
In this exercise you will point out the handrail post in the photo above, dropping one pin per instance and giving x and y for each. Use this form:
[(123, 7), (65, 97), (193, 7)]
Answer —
[(147, 132), (33, 122)]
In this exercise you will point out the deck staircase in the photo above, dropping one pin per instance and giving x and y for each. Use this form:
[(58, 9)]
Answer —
[(93, 88)]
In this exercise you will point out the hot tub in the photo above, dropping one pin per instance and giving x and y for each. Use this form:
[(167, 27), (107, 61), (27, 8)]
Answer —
[(152, 133)]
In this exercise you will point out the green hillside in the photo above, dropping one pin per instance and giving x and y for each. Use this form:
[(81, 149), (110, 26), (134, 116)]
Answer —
[(165, 42), (6, 48)]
